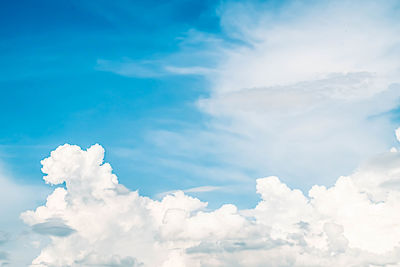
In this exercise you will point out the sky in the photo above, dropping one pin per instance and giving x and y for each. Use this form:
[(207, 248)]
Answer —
[(236, 133)]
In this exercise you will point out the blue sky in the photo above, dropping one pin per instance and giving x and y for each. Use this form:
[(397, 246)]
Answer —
[(130, 75), (53, 91), (214, 98)]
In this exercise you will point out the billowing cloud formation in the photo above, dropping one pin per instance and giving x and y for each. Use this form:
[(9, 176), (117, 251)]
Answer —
[(353, 223)]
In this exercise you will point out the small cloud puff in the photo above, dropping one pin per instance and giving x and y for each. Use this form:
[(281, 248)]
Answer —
[(92, 222), (398, 134)]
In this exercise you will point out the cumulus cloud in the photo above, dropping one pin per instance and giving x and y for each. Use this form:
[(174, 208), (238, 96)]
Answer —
[(352, 223)]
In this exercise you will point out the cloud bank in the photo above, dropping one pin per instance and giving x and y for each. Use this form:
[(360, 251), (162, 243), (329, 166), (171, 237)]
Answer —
[(94, 220)]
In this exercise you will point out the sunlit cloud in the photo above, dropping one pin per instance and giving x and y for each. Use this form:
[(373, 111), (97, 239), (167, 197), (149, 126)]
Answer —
[(112, 225)]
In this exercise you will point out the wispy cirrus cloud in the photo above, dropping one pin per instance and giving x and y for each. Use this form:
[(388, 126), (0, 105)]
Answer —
[(148, 68), (189, 70), (293, 81), (286, 84), (131, 68), (198, 189)]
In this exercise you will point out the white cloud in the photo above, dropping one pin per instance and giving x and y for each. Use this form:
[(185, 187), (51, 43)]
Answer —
[(131, 68), (198, 189), (288, 82), (305, 94), (300, 42), (353, 223), (148, 68), (398, 134), (304, 80), (189, 70)]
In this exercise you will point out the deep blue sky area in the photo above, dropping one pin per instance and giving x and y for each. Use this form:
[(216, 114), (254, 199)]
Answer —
[(54, 92)]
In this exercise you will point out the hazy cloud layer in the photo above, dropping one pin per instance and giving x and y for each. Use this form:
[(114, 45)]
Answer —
[(16, 197), (3, 256), (299, 80), (353, 223), (288, 82)]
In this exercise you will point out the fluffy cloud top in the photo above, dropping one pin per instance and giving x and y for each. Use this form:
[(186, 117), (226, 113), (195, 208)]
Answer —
[(94, 220)]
